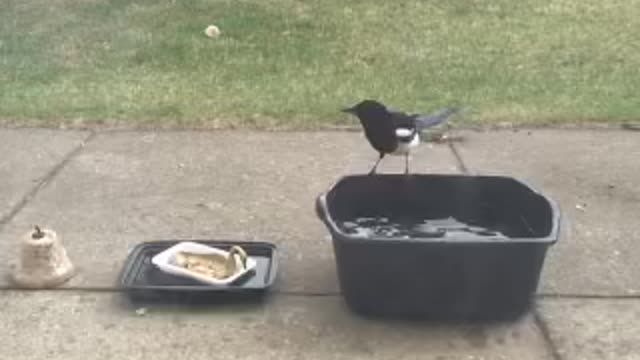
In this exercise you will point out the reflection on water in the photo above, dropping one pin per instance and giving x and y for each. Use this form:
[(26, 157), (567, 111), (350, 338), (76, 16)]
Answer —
[(447, 228)]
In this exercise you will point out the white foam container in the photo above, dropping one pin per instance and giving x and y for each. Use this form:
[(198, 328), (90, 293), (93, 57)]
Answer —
[(166, 261)]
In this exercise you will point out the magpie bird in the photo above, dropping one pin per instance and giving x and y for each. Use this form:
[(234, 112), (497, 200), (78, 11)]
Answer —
[(393, 132)]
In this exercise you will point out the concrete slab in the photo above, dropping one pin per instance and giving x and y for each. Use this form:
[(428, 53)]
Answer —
[(594, 329), (66, 325), (26, 157), (594, 176), (126, 188)]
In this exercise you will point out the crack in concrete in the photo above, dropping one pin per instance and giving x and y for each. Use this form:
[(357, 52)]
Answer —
[(546, 334), (590, 296), (114, 289), (456, 154), (45, 181)]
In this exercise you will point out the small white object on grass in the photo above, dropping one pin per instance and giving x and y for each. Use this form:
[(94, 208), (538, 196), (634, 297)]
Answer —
[(212, 31)]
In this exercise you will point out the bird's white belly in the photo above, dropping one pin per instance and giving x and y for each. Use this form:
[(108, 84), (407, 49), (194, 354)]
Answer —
[(405, 147)]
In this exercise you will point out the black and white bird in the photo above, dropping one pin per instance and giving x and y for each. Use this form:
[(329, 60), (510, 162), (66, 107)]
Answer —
[(393, 132)]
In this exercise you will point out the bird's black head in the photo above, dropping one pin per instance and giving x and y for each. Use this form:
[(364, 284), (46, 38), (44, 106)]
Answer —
[(367, 109)]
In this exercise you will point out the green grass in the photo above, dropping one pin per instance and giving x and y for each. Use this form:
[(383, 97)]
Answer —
[(287, 63)]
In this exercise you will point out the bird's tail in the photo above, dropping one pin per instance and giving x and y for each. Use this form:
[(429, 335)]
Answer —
[(428, 121)]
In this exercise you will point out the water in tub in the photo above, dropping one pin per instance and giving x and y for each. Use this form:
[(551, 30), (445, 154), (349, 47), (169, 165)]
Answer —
[(430, 228)]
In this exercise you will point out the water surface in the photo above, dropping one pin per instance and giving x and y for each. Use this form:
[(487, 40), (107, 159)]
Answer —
[(447, 228)]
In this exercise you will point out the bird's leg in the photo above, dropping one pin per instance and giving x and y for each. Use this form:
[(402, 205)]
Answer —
[(406, 163), (375, 166)]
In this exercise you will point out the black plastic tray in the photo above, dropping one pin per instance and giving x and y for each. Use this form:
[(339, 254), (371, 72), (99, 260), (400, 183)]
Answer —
[(143, 281)]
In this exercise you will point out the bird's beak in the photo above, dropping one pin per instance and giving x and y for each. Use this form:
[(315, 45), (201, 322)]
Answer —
[(348, 110)]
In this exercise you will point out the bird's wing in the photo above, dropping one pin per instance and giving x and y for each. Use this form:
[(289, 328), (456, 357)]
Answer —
[(427, 121), (402, 120), (404, 124), (403, 133)]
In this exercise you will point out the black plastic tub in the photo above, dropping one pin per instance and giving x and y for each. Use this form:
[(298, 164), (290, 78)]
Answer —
[(457, 277), (142, 281)]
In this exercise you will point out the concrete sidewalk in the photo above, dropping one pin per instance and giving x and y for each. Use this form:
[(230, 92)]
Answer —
[(106, 192)]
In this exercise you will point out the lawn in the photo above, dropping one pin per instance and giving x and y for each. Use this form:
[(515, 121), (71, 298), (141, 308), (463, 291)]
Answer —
[(286, 63)]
